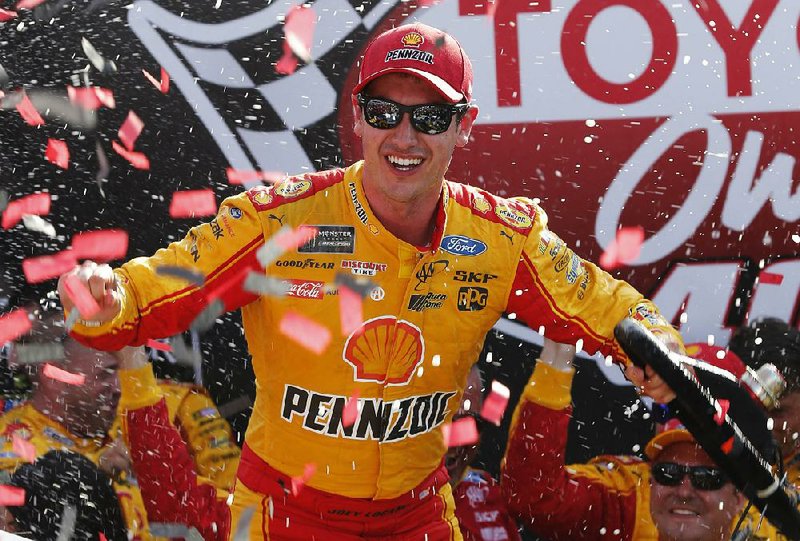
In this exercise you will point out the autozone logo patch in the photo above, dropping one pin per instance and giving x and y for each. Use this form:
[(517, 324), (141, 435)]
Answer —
[(472, 299), (377, 420)]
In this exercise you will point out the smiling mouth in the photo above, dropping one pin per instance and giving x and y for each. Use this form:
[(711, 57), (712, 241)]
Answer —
[(403, 164), (684, 513)]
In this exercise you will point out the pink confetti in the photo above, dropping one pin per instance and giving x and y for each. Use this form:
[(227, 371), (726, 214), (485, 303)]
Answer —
[(80, 295), (351, 310), (299, 35), (28, 4), (624, 249), (37, 203), (91, 97), (298, 481), (46, 267), (163, 84), (193, 203), (6, 15), (495, 404), (464, 431), (160, 346), (103, 245), (23, 448), (770, 278), (130, 130), (722, 411), (27, 111), (57, 153), (289, 240), (243, 176), (102, 536), (11, 496), (137, 159), (306, 332), (56, 373), (350, 412), (13, 325)]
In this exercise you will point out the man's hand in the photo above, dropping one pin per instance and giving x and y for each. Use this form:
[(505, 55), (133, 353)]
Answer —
[(101, 283), (649, 383), (115, 460)]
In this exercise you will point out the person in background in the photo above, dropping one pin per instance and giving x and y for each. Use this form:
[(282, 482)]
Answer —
[(678, 494), (74, 406), (772, 341), (65, 497), (480, 506)]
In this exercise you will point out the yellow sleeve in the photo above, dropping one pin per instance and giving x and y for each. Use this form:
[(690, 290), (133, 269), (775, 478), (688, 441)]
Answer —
[(139, 388)]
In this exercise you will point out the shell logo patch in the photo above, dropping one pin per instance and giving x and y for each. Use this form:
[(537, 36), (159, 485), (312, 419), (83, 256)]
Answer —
[(481, 204), (412, 39), (384, 350), (290, 189)]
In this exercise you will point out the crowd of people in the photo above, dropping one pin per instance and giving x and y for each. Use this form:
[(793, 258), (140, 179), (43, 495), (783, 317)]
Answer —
[(346, 436)]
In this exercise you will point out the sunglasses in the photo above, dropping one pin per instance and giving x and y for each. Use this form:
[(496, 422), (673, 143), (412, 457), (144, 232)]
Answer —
[(428, 118), (702, 477)]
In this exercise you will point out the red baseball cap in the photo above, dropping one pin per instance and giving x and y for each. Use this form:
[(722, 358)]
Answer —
[(420, 50)]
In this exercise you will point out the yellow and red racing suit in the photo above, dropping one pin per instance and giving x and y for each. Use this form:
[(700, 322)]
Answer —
[(424, 321)]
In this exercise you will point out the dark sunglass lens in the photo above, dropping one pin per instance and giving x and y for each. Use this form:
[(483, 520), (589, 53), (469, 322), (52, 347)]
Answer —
[(707, 478), (432, 119), (381, 114), (667, 474)]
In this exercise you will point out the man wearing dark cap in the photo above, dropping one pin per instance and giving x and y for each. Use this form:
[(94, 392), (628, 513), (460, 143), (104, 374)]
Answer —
[(443, 261)]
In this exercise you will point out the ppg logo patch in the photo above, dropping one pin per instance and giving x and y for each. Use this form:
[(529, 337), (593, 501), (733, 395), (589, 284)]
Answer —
[(472, 299)]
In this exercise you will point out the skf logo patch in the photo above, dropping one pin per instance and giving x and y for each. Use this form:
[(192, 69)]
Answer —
[(412, 39), (384, 350), (472, 299), (290, 189), (377, 420), (473, 277)]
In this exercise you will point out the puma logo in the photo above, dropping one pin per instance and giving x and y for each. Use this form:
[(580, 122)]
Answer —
[(509, 237), (279, 220)]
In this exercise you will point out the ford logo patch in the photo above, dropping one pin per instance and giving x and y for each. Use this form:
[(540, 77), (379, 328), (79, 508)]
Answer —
[(461, 245)]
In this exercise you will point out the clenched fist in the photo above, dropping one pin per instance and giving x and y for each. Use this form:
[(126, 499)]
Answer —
[(101, 283)]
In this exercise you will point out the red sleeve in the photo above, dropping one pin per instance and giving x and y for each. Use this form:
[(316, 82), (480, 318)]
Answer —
[(167, 477), (481, 509), (558, 501)]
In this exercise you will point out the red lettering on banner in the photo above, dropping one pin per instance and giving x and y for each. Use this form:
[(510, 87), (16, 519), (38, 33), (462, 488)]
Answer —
[(576, 62), (506, 41), (736, 43)]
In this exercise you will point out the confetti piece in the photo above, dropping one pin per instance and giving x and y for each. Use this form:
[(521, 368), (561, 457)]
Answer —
[(299, 31), (57, 153), (91, 97), (350, 412), (163, 84), (13, 325), (298, 481), (4, 78), (101, 246), (295, 238), (160, 346), (137, 159), (362, 286), (6, 15), (184, 273), (206, 319), (245, 519), (38, 203), (351, 310), (237, 405), (243, 176), (28, 4), (130, 130), (102, 536), (727, 446), (23, 448), (81, 297), (36, 223), (3, 200), (97, 60), (193, 203), (103, 167), (69, 514), (11, 496), (495, 404), (28, 112), (39, 269), (306, 332), (38, 353), (53, 372), (770, 278), (624, 249), (464, 431), (259, 284), (722, 406)]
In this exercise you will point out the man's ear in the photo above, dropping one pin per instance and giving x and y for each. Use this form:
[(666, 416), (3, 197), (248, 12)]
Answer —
[(465, 126), (358, 118)]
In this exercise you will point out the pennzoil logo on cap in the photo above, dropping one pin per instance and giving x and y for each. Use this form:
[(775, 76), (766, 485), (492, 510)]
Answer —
[(412, 39)]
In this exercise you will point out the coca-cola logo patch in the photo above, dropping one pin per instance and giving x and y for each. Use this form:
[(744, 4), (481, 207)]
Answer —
[(305, 289)]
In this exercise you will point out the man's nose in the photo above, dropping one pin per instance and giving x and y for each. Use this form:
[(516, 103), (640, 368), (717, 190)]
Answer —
[(685, 487), (404, 135)]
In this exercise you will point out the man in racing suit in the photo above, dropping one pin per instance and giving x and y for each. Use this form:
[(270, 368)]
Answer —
[(612, 497), (445, 260)]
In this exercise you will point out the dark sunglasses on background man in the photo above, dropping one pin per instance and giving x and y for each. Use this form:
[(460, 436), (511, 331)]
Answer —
[(702, 477), (427, 118)]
